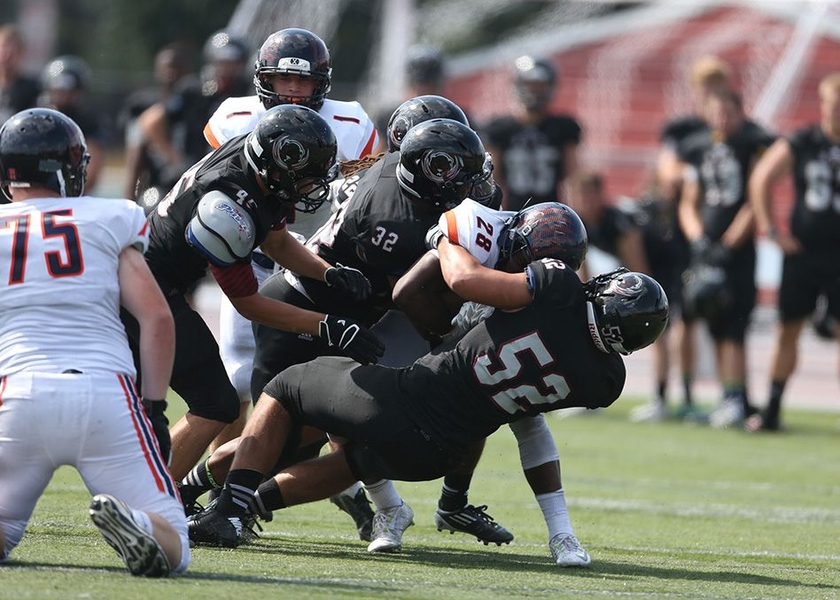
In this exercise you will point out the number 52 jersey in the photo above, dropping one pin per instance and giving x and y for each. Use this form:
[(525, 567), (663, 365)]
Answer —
[(60, 298)]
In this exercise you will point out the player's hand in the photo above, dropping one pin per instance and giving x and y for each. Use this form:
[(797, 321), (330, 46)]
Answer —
[(155, 410), (352, 337), (348, 280)]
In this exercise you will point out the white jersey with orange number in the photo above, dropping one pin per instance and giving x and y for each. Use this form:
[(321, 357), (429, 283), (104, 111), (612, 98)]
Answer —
[(476, 228), (59, 304), (354, 130)]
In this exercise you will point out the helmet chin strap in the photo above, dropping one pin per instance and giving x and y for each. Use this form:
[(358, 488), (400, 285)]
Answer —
[(592, 321)]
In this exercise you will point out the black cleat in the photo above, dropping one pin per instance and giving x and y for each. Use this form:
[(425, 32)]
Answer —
[(211, 528), (359, 508), (473, 520)]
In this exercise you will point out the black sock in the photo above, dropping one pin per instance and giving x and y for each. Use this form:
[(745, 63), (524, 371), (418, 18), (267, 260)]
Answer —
[(200, 477), (268, 497), (238, 493), (661, 390), (688, 384), (774, 404), (454, 493)]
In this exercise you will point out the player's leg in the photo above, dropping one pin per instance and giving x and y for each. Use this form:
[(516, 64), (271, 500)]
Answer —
[(135, 502), (455, 513), (25, 467)]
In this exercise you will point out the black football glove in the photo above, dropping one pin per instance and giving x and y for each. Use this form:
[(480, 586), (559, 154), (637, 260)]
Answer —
[(155, 410), (348, 280), (352, 337)]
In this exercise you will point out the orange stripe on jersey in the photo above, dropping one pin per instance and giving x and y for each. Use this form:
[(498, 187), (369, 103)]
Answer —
[(144, 229), (142, 439), (452, 228), (369, 146), (211, 139), (2, 389)]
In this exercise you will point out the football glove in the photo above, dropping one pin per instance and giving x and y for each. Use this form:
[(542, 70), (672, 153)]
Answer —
[(353, 338), (348, 280), (470, 315), (155, 410)]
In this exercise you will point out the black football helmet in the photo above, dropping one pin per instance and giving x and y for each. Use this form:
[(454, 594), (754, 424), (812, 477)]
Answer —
[(293, 150), (628, 310), (294, 52), (441, 163), (534, 81), (66, 73), (424, 66), (417, 110), (546, 230), (41, 146)]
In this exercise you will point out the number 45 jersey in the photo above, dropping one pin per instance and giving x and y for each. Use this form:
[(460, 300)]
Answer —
[(60, 286), (534, 360)]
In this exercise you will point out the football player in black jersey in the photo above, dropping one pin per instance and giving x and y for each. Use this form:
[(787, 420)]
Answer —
[(718, 221), (810, 241), (553, 342), (707, 73), (533, 149), (237, 198), (380, 229)]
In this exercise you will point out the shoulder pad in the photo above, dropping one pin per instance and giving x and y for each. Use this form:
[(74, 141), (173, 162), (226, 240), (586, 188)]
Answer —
[(221, 229)]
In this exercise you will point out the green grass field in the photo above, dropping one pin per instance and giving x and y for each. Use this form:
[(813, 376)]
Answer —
[(665, 510)]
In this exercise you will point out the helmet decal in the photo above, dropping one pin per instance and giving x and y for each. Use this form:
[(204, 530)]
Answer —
[(441, 167), (289, 153), (293, 63)]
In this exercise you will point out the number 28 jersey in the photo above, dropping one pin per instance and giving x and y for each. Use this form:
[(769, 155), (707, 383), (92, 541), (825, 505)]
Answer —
[(534, 360), (60, 300), (476, 228)]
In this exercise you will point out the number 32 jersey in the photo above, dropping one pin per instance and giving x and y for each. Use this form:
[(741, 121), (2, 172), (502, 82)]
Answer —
[(534, 360), (60, 298)]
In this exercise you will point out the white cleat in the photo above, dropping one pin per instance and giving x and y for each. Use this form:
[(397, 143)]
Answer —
[(727, 414), (140, 551), (388, 528), (652, 412), (567, 551)]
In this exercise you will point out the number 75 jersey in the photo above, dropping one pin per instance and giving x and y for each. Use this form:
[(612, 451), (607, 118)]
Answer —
[(60, 294)]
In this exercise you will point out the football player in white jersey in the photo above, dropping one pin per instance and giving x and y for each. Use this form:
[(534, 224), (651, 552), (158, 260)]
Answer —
[(67, 390), (509, 241), (293, 67)]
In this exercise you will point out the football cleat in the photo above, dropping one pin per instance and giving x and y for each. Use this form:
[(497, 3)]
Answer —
[(388, 528), (567, 551), (141, 552), (211, 528), (727, 414), (652, 412), (473, 520), (358, 507)]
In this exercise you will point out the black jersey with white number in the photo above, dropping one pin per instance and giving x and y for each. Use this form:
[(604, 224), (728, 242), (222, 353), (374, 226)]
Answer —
[(815, 220), (176, 264), (534, 360), (377, 230), (723, 168), (531, 161)]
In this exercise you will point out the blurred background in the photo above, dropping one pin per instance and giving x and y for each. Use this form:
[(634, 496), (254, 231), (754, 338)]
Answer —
[(623, 66)]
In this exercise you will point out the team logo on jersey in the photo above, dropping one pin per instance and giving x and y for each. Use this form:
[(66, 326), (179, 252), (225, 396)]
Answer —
[(289, 153), (441, 167)]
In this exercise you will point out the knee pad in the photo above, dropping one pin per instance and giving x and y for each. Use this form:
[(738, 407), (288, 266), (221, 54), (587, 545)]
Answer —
[(536, 444)]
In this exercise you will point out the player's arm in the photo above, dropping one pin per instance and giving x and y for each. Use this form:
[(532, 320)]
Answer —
[(689, 206), (776, 163), (631, 250), (154, 124), (286, 251), (470, 280), (422, 294), (141, 296)]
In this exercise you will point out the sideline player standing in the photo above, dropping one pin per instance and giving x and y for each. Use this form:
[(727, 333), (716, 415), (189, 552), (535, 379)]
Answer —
[(66, 371)]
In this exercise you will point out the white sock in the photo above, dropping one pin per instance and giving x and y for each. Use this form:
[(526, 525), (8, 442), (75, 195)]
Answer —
[(352, 490), (555, 513), (384, 494), (143, 520)]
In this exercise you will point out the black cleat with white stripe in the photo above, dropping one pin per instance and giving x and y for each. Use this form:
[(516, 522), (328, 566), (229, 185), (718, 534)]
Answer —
[(473, 520)]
